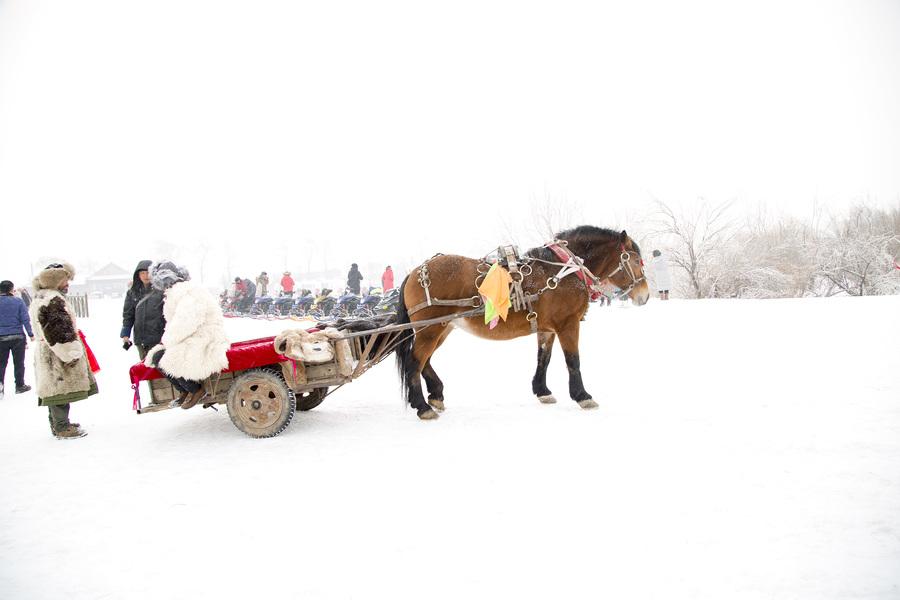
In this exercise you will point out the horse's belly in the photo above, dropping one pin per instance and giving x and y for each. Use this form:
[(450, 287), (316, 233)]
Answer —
[(505, 330)]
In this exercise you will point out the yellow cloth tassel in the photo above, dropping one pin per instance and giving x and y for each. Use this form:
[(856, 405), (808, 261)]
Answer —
[(495, 290)]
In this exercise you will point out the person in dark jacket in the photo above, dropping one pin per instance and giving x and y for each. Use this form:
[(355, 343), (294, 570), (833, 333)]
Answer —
[(149, 322), (249, 295), (140, 287), (354, 277), (13, 319)]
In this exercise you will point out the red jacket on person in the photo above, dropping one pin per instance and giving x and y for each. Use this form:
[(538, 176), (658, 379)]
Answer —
[(387, 280), (287, 283)]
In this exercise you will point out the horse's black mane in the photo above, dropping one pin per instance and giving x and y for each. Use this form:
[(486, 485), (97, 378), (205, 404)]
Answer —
[(583, 234)]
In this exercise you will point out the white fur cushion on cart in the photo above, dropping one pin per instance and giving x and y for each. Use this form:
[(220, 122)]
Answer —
[(314, 348)]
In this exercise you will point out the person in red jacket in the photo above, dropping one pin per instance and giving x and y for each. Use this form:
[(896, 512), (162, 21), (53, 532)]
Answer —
[(287, 284), (387, 279)]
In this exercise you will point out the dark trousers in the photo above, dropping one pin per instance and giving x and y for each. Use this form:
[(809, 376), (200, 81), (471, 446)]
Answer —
[(16, 345), (184, 385), (59, 417)]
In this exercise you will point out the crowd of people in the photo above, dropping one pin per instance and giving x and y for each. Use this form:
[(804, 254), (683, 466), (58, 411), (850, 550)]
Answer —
[(245, 291)]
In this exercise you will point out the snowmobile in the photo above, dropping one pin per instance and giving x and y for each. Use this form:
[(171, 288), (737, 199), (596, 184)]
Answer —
[(346, 305), (303, 303), (387, 305), (323, 304), (366, 308), (282, 305), (261, 306)]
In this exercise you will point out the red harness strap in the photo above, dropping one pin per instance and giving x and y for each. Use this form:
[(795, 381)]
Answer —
[(565, 256)]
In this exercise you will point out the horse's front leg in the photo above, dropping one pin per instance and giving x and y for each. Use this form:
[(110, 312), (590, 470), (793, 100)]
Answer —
[(539, 382), (568, 339)]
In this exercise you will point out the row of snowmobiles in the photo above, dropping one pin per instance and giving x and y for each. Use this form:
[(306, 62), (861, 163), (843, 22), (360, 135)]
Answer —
[(321, 307)]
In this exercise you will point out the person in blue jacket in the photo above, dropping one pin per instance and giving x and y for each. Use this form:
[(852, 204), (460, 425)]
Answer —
[(14, 324)]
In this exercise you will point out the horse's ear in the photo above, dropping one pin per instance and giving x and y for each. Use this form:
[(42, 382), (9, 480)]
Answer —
[(623, 236)]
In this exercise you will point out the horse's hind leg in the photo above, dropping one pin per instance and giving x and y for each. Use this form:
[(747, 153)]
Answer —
[(539, 382), (435, 387), (432, 382), (568, 339), (427, 341)]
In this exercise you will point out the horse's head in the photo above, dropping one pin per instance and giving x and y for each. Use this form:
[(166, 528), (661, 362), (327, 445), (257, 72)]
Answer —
[(627, 270), (620, 264), (612, 257)]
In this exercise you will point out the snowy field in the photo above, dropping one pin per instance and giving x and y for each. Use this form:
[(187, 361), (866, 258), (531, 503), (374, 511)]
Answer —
[(742, 449)]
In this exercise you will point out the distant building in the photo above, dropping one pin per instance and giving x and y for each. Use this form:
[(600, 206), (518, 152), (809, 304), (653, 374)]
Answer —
[(111, 280)]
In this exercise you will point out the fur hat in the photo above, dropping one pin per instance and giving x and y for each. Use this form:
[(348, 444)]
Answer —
[(52, 275), (165, 274)]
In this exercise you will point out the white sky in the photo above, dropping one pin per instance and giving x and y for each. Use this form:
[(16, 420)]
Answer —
[(320, 133)]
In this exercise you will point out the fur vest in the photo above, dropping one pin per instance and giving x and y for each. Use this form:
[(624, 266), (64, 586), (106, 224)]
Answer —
[(63, 372), (194, 337)]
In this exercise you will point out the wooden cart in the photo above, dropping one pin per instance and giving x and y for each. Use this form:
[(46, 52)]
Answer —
[(260, 387)]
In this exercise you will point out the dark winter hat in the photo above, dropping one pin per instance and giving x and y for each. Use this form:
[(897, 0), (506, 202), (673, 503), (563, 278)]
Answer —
[(52, 275), (656, 253), (165, 274), (354, 265), (6, 286)]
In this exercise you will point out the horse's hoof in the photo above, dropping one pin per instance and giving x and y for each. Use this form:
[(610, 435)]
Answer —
[(547, 399), (587, 404), (427, 415), (437, 405)]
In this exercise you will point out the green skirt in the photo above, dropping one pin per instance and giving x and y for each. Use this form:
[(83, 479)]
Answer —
[(70, 397)]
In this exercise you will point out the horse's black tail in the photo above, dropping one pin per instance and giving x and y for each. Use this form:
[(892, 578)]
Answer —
[(406, 363)]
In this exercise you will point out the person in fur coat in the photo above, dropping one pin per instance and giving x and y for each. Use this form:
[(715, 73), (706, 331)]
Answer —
[(61, 364), (194, 343)]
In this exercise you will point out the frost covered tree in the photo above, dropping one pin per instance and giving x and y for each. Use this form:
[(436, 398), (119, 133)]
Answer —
[(766, 261), (859, 255), (696, 241)]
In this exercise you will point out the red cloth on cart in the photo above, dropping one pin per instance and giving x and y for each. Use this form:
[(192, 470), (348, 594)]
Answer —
[(241, 355)]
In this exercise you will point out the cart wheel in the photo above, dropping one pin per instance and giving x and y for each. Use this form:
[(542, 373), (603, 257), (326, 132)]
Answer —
[(260, 403), (311, 399)]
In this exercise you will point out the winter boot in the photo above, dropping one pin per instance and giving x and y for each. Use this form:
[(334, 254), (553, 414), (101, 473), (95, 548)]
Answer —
[(69, 432), (21, 389), (179, 400), (193, 399)]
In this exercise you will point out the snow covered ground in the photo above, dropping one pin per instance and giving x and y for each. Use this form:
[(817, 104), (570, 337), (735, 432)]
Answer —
[(742, 449)]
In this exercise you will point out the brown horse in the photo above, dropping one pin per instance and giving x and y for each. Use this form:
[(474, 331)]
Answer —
[(555, 300)]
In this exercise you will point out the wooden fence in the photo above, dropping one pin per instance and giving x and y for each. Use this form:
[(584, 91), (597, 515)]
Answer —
[(79, 304)]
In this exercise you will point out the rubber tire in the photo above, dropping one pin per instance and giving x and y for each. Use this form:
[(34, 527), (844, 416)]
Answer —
[(241, 394), (310, 400)]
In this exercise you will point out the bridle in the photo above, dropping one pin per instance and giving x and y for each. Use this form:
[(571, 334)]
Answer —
[(595, 287), (625, 266)]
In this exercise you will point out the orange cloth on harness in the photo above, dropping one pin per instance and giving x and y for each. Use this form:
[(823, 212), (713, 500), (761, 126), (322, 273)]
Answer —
[(495, 291)]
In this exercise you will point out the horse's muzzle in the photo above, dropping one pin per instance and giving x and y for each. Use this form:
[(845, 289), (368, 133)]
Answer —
[(640, 295)]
